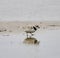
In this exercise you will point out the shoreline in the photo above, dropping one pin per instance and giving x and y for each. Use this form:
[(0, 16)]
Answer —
[(17, 26)]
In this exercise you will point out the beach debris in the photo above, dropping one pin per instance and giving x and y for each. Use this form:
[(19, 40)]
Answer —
[(2, 30)]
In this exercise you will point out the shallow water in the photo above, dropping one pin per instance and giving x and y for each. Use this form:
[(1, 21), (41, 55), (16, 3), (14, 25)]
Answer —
[(12, 46)]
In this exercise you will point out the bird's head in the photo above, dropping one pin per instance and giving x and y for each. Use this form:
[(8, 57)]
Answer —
[(37, 26)]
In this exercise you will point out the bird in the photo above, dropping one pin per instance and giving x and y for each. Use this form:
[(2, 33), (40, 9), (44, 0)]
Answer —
[(31, 30)]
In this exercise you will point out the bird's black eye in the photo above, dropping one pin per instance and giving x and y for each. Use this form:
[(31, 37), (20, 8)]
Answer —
[(37, 26)]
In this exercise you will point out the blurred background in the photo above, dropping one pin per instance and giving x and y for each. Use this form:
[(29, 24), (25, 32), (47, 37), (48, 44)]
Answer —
[(30, 10)]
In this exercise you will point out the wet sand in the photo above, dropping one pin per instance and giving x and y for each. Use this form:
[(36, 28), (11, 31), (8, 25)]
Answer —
[(11, 46)]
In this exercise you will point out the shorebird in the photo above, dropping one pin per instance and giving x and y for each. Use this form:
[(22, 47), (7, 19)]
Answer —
[(31, 30)]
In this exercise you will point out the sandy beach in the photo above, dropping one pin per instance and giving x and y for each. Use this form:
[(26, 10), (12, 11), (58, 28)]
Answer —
[(17, 26), (12, 36)]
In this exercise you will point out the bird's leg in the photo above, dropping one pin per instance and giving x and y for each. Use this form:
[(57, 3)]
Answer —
[(31, 35), (27, 35)]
